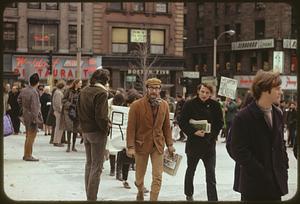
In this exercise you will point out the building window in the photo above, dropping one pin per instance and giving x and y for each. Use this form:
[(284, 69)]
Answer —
[(161, 7), (9, 36), (119, 40), (294, 24), (216, 31), (216, 9), (253, 62), (73, 38), (265, 60), (116, 6), (237, 8), (200, 35), (51, 6), (227, 60), (157, 42), (259, 29), (238, 67), (237, 28), (226, 8), (227, 36), (42, 37), (259, 5), (139, 6), (73, 6), (35, 5), (11, 5), (200, 10)]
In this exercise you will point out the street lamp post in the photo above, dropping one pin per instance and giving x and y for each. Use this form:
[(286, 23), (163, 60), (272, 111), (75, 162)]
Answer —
[(231, 33)]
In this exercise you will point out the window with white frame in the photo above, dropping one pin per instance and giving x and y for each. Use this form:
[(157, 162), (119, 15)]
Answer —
[(9, 35), (52, 6), (161, 7), (157, 41), (138, 6), (116, 6), (42, 37), (34, 5), (119, 40)]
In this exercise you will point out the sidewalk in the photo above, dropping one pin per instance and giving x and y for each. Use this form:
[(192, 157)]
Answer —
[(60, 175)]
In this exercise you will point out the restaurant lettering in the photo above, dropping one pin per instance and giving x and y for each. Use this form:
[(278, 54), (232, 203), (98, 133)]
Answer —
[(63, 67)]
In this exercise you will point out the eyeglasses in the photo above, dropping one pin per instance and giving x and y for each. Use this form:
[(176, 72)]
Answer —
[(153, 88)]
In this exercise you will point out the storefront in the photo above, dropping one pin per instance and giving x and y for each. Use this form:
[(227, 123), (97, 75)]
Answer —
[(64, 67)]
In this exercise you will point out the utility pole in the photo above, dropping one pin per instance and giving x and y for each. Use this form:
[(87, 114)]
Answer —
[(78, 41)]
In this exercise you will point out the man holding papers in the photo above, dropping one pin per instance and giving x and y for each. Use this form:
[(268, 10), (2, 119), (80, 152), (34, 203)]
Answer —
[(201, 120)]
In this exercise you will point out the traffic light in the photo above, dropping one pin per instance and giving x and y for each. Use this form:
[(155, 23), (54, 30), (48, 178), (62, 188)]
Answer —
[(49, 67)]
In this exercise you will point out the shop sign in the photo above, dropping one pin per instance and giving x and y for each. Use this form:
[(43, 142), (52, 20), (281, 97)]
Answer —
[(228, 87), (131, 78), (278, 61), (253, 44), (192, 75), (288, 82), (209, 80), (141, 71), (138, 36), (290, 43), (244, 81), (63, 67)]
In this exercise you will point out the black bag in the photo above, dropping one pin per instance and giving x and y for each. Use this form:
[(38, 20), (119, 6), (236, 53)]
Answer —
[(72, 112), (124, 158)]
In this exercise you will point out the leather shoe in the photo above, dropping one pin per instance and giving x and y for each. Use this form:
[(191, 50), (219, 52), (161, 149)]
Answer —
[(189, 198), (58, 144), (30, 159)]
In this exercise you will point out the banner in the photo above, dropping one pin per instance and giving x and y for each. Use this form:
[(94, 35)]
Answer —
[(228, 87)]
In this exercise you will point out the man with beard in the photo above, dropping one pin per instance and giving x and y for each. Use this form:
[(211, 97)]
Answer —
[(147, 132)]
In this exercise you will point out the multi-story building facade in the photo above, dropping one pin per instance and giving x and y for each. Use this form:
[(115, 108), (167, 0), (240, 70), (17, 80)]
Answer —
[(111, 33), (265, 38)]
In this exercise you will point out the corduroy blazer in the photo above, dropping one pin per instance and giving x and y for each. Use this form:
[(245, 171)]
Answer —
[(142, 132)]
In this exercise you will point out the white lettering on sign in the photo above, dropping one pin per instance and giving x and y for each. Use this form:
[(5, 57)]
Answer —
[(252, 44), (192, 75), (290, 43)]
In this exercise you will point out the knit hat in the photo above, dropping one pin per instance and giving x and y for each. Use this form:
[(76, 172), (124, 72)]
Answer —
[(153, 81), (34, 79)]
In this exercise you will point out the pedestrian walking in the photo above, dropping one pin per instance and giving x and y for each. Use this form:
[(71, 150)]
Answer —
[(29, 100), (69, 119), (291, 123), (201, 144), (93, 117), (45, 107), (57, 107), (148, 131), (257, 143), (15, 109)]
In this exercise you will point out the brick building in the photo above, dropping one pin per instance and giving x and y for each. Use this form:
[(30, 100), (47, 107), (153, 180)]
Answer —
[(265, 37), (110, 35)]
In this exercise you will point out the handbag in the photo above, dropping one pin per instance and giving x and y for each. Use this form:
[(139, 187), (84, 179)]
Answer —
[(72, 112), (7, 126)]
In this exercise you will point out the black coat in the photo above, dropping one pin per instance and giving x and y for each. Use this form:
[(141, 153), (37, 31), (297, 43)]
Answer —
[(45, 105), (196, 109), (260, 153)]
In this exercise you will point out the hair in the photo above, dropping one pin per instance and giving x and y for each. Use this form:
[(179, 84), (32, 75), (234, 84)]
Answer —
[(74, 83), (248, 98), (47, 89), (264, 81), (60, 84), (100, 76), (209, 87), (118, 100)]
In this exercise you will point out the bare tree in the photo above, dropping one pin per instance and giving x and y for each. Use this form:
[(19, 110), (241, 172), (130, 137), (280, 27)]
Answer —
[(144, 61)]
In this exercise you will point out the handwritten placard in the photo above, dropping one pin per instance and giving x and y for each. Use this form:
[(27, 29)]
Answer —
[(228, 87)]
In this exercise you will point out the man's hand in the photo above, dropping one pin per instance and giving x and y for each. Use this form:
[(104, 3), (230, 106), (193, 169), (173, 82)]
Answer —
[(200, 133), (130, 152), (171, 150)]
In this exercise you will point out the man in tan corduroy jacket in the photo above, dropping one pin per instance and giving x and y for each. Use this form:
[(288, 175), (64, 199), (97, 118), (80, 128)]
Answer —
[(148, 131)]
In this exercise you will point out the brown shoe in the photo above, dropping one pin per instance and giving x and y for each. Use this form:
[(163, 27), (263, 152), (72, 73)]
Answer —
[(126, 185), (140, 196), (30, 159)]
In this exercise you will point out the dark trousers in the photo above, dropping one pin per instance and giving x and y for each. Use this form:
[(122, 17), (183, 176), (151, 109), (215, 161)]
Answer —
[(259, 198), (94, 149), (16, 123), (209, 161)]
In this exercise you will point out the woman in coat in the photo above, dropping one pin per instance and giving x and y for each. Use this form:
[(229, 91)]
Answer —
[(71, 125), (45, 107)]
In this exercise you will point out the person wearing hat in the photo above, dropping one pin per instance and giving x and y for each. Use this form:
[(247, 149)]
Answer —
[(29, 100), (148, 131)]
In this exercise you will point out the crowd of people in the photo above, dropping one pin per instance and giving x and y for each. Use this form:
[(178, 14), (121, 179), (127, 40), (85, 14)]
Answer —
[(71, 110)]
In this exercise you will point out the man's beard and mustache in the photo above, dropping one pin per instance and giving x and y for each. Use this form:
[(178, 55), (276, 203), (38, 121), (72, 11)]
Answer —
[(154, 100)]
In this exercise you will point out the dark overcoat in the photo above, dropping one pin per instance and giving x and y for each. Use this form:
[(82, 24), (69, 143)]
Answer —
[(196, 109), (260, 153)]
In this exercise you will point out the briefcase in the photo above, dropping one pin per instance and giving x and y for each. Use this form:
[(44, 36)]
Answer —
[(171, 164)]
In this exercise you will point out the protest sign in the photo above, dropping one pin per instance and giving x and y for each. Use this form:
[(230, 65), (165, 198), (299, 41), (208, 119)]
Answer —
[(228, 87)]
